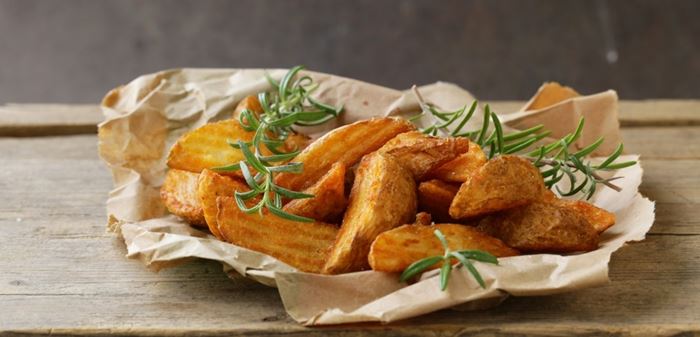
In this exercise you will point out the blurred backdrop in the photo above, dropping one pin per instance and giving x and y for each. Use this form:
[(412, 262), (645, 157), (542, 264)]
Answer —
[(73, 51)]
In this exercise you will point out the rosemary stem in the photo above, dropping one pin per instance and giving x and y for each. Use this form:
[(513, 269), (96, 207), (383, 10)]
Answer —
[(595, 175)]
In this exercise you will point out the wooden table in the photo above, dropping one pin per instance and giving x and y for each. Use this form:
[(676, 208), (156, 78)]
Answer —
[(61, 273)]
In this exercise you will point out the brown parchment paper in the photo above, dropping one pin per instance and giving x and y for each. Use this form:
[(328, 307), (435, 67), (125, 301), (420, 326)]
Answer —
[(145, 117)]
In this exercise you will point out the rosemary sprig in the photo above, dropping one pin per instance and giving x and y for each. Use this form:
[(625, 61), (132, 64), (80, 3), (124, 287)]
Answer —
[(554, 160), (462, 256), (287, 106)]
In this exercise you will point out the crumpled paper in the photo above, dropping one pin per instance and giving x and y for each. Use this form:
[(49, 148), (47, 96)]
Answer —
[(145, 117)]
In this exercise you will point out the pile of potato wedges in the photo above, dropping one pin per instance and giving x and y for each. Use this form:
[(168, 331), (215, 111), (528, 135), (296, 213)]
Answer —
[(380, 189)]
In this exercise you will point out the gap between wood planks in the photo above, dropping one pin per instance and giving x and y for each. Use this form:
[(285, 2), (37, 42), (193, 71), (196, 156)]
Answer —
[(38, 120)]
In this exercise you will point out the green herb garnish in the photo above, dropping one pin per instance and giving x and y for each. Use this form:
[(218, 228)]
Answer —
[(288, 106), (554, 160), (462, 256)]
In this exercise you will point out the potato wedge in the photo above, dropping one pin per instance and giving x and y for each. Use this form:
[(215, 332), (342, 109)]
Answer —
[(346, 144), (249, 102), (502, 183), (596, 216), (394, 250), (461, 168), (210, 186), (542, 227), (420, 153), (549, 94), (435, 197), (179, 195), (206, 147), (295, 141), (423, 219), (329, 201), (383, 196), (303, 245)]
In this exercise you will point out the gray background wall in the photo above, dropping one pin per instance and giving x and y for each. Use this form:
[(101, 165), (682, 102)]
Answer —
[(76, 50)]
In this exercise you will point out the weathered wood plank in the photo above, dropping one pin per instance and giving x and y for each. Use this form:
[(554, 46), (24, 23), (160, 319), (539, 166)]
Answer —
[(63, 274), (30, 120), (663, 142), (27, 120), (648, 293)]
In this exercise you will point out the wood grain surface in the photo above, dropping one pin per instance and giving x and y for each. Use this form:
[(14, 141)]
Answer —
[(61, 273)]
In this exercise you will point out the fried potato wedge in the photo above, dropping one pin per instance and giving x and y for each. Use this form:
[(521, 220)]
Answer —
[(249, 102), (421, 153), (303, 245), (383, 196), (210, 186), (295, 141), (179, 195), (329, 199), (542, 227), (394, 250), (346, 144), (461, 168), (206, 147), (423, 219), (502, 183), (435, 197), (549, 94), (596, 216)]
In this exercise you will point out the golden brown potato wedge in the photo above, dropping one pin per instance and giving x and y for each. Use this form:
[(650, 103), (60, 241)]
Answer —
[(395, 250), (423, 219), (329, 199), (206, 147), (212, 185), (542, 227), (346, 144), (435, 197), (295, 141), (596, 216), (249, 102), (461, 168), (179, 195), (383, 196), (303, 245), (551, 93), (502, 183), (421, 153)]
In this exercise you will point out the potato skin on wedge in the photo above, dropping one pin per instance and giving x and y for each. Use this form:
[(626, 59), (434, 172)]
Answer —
[(294, 141), (210, 186), (542, 227), (179, 195), (383, 196), (303, 245), (394, 250), (329, 199), (596, 216), (435, 197), (420, 153), (206, 147), (502, 183), (346, 144), (249, 102), (458, 170), (600, 219)]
